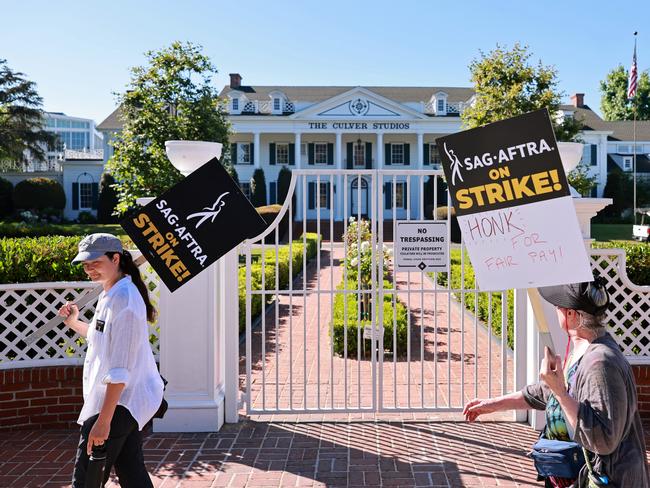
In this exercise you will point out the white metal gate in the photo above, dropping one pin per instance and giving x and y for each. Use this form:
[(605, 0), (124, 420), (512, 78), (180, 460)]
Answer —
[(318, 345)]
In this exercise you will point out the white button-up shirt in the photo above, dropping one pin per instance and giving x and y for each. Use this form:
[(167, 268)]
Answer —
[(119, 352)]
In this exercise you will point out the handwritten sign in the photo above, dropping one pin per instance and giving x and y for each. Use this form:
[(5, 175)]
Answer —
[(193, 224), (421, 246), (513, 204)]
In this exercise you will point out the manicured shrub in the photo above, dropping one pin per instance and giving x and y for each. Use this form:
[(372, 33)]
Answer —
[(284, 181), (6, 201), (107, 201), (269, 214), (298, 251), (39, 194), (258, 188), (349, 319), (441, 214)]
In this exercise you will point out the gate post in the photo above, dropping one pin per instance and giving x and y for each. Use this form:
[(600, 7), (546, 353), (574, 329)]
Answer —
[(229, 330), (521, 353)]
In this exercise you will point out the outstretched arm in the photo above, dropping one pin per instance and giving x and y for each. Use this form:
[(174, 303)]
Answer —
[(512, 401)]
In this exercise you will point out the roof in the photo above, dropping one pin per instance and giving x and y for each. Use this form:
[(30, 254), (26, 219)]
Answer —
[(642, 163), (400, 94), (622, 130), (112, 122)]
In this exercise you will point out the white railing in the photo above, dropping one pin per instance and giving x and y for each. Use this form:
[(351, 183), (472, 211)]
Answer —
[(628, 317), (25, 307)]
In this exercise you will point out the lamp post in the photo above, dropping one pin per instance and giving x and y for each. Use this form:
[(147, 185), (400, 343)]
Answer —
[(192, 328)]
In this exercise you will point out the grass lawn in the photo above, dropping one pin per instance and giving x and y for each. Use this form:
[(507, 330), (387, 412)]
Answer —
[(612, 232)]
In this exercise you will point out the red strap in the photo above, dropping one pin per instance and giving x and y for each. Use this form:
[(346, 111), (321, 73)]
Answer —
[(566, 353)]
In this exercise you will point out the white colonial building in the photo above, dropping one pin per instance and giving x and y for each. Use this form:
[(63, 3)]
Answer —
[(374, 127), (609, 145)]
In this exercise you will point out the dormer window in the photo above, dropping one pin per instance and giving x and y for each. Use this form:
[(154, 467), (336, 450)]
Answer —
[(277, 104), (440, 103), (235, 104), (278, 100)]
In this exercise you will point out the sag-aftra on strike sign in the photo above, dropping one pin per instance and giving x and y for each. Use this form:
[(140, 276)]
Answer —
[(193, 224), (513, 204)]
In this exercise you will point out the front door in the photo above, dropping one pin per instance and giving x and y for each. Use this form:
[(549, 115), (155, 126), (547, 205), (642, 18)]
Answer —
[(359, 197)]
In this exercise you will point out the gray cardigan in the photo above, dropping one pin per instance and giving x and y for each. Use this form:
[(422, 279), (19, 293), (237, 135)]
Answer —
[(609, 424)]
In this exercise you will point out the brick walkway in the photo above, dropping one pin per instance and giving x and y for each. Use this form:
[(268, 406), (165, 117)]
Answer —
[(457, 349), (341, 449)]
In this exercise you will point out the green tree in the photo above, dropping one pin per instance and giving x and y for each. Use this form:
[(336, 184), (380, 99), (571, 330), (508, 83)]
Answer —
[(22, 136), (171, 98), (506, 84), (258, 188), (613, 96), (581, 180)]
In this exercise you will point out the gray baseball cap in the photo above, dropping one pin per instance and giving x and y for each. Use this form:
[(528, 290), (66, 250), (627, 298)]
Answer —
[(96, 245)]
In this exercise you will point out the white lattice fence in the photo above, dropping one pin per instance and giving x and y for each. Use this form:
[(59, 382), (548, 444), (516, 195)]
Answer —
[(629, 313), (25, 307)]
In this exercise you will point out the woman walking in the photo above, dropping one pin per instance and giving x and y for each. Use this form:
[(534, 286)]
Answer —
[(592, 401), (122, 388)]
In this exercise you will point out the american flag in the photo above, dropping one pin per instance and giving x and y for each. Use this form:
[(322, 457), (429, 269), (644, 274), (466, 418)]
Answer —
[(631, 85)]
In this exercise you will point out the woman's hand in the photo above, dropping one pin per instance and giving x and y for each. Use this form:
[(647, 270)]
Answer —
[(551, 373), (478, 407), (70, 313), (98, 433)]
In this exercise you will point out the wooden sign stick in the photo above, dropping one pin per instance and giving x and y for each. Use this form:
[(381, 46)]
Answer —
[(80, 303), (540, 318)]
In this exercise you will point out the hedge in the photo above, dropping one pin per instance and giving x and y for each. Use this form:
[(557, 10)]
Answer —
[(36, 259), (637, 259), (484, 303), (6, 199), (355, 326), (269, 274), (269, 214)]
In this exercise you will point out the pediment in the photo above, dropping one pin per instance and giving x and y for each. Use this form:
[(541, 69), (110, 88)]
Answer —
[(358, 103)]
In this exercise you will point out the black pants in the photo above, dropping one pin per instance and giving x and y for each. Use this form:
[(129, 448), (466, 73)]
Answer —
[(123, 451)]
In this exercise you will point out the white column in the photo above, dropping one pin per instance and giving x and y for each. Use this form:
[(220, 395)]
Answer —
[(380, 150), (256, 149), (420, 150), (338, 160), (296, 151), (297, 211), (189, 356)]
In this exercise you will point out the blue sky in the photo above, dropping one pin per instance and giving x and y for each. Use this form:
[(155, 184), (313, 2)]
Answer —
[(79, 53)]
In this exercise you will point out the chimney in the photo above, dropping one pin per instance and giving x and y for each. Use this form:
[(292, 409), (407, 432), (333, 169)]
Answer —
[(235, 81), (577, 99)]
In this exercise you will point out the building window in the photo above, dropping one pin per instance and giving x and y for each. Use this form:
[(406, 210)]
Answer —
[(85, 195), (235, 104), (246, 189), (276, 104), (359, 155), (400, 194), (434, 155), (627, 163), (320, 153), (282, 153), (440, 105), (244, 155), (397, 153), (324, 195)]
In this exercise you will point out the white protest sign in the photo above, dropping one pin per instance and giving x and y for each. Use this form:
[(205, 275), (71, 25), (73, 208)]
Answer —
[(421, 245), (513, 204), (527, 246)]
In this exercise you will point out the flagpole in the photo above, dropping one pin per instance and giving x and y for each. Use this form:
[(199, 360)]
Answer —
[(634, 133)]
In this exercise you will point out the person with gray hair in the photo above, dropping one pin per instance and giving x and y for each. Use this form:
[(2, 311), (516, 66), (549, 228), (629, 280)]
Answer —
[(590, 400)]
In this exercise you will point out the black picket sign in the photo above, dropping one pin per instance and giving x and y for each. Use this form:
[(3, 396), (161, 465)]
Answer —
[(193, 224), (503, 164)]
